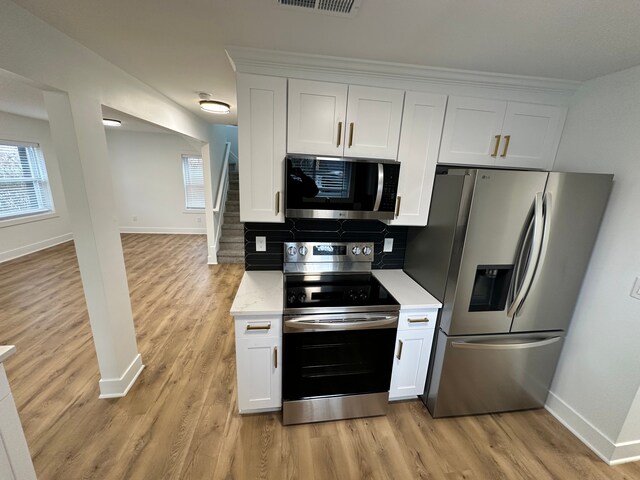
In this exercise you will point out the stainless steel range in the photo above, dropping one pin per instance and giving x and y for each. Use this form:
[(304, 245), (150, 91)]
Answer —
[(339, 333)]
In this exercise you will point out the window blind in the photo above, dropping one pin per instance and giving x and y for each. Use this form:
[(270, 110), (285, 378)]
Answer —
[(24, 186), (193, 174)]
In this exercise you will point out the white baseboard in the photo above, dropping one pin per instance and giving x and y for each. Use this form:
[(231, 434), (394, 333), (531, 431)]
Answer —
[(119, 387), (165, 230), (610, 452), (626, 452), (34, 247)]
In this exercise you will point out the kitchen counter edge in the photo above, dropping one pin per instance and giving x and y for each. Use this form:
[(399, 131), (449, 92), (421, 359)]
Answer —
[(259, 293), (6, 351), (405, 290)]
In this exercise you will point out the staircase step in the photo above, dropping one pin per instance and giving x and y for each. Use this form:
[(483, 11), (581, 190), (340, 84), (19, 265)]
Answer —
[(235, 227), (232, 236), (236, 248), (225, 252), (232, 217), (233, 196), (226, 259), (232, 207)]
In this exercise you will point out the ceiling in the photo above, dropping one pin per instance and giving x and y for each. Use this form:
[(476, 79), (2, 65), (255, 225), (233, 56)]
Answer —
[(177, 47), (21, 98)]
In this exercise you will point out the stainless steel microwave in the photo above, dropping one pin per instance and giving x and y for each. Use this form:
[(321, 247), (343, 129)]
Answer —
[(333, 187)]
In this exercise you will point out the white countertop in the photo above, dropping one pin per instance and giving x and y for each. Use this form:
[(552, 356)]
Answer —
[(259, 293), (6, 351), (405, 290)]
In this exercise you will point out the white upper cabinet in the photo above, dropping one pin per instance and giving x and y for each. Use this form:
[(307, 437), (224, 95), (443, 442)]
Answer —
[(316, 117), (262, 133), (337, 119), (373, 116), (500, 133), (418, 155), (533, 135), (471, 128)]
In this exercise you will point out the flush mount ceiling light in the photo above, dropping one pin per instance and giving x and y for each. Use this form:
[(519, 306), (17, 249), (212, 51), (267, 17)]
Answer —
[(213, 106), (110, 122)]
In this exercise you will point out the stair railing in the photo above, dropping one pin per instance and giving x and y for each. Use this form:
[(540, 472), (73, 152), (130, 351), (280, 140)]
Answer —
[(221, 199)]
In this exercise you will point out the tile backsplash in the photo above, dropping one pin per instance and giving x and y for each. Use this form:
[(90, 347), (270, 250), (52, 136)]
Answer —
[(311, 230)]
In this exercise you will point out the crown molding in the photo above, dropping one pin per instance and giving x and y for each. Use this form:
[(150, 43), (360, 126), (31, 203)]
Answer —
[(281, 63)]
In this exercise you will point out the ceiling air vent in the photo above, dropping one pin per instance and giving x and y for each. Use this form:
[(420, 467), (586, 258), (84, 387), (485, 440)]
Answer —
[(340, 8)]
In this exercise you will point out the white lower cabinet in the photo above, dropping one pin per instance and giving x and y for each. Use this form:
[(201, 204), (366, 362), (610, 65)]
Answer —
[(15, 459), (259, 363), (412, 352)]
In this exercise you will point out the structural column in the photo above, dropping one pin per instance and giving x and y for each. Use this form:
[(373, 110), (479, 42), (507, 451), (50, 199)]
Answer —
[(81, 147)]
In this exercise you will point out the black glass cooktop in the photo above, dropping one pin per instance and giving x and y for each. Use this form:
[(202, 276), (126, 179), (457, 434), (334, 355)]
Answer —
[(336, 292)]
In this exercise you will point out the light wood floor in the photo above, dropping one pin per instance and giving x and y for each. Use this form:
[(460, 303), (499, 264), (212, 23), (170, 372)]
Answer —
[(180, 420)]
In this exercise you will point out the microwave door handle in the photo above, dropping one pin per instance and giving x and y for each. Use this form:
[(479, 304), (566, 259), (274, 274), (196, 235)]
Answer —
[(376, 205), (536, 247)]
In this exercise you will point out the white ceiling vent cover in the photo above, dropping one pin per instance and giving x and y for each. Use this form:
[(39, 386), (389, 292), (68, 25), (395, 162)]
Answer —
[(340, 8)]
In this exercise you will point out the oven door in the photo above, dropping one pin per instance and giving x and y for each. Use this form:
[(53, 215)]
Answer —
[(332, 355), (325, 187)]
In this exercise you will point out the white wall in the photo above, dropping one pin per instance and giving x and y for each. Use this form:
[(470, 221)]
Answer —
[(148, 184), (24, 238), (219, 135), (598, 375)]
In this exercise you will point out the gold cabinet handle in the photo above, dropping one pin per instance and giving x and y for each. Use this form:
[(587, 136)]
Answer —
[(259, 327), (350, 134), (339, 134), (398, 205), (418, 320), (495, 150), (275, 357), (277, 203), (400, 344), (507, 139)]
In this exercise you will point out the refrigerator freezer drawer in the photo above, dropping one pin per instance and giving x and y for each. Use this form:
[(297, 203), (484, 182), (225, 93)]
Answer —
[(492, 373)]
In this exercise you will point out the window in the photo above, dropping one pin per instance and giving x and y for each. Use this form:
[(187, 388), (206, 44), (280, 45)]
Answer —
[(333, 179), (193, 174), (24, 187)]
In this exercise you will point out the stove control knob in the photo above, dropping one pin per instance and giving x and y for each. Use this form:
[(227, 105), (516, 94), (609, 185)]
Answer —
[(363, 295), (356, 250), (292, 251), (366, 250), (302, 250), (291, 298), (351, 295), (302, 297)]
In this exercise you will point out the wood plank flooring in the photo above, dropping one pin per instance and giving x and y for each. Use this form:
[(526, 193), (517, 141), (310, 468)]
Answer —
[(180, 420)]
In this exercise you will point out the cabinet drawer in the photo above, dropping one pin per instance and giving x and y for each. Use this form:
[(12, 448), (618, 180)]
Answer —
[(252, 327), (417, 319)]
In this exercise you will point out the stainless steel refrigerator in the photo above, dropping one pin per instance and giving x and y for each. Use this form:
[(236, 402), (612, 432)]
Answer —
[(505, 252)]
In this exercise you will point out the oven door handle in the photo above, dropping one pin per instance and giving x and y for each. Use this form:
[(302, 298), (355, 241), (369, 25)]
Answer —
[(302, 323)]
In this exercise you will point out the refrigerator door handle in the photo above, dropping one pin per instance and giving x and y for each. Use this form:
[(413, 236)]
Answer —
[(544, 244), (536, 247), (506, 345)]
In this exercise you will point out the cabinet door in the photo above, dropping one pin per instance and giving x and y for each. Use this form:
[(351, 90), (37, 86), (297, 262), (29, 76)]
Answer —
[(471, 126), (410, 370), (534, 134), (15, 459), (373, 122), (262, 120), (259, 364), (418, 155), (316, 116)]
